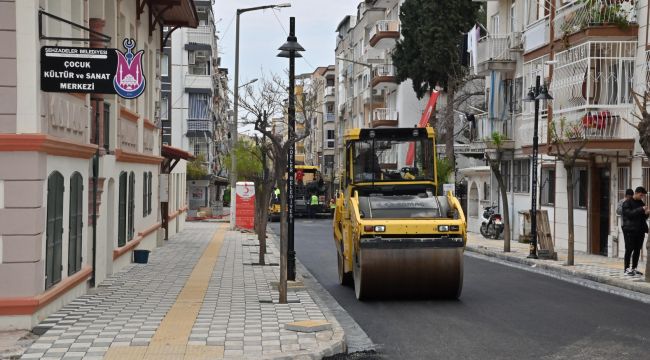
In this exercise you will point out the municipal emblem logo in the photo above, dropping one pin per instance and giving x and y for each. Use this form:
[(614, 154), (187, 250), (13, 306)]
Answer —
[(129, 81)]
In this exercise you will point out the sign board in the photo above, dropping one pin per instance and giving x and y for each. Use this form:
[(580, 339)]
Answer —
[(197, 193), (245, 205), (93, 70), (163, 188), (449, 187)]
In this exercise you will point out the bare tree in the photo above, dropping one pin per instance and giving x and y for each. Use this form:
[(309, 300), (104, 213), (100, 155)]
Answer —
[(567, 143), (495, 159), (269, 98)]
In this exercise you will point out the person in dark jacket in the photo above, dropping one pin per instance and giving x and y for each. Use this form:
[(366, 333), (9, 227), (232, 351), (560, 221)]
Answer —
[(635, 226)]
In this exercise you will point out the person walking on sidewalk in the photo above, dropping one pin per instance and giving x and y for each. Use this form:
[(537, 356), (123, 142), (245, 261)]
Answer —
[(313, 205), (635, 226)]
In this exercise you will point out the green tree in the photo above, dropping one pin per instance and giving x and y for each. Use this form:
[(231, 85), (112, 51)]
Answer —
[(248, 156), (429, 53), (196, 169), (444, 168)]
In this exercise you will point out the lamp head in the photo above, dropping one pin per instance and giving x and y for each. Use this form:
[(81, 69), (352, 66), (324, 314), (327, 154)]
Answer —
[(287, 54), (291, 44), (543, 94)]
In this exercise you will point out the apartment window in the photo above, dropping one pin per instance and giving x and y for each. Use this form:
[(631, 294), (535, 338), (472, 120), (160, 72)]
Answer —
[(513, 17), (330, 139), (624, 181), (121, 216), (199, 106), (521, 176), (164, 107), (107, 126), (131, 206), (76, 223), (580, 187), (197, 149), (496, 25), (198, 62), (164, 65), (54, 230), (548, 186), (505, 172)]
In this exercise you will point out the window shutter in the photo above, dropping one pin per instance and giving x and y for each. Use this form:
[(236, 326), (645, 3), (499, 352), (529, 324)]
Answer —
[(121, 231), (54, 229), (150, 191), (131, 206), (75, 239), (144, 195)]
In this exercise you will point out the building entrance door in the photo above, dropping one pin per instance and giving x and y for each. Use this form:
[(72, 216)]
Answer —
[(600, 210)]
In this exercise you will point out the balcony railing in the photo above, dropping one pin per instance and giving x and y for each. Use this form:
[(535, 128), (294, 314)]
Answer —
[(201, 35), (485, 127), (494, 48), (385, 117), (199, 125), (582, 14), (384, 29), (330, 117), (330, 91), (383, 70)]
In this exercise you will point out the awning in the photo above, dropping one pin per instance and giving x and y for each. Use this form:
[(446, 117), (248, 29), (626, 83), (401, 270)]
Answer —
[(176, 12), (172, 156), (220, 180)]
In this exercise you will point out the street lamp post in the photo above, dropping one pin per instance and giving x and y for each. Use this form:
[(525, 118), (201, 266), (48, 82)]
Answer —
[(290, 49), (233, 130), (535, 94)]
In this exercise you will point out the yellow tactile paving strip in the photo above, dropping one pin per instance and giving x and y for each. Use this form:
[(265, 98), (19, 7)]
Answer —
[(171, 337)]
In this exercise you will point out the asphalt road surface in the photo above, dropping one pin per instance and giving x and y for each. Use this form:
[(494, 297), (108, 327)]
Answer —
[(503, 313)]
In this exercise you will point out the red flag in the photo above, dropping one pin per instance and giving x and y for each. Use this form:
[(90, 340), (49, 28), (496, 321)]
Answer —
[(424, 120)]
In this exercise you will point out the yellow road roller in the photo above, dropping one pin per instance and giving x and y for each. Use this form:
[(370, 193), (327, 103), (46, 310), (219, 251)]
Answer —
[(395, 237)]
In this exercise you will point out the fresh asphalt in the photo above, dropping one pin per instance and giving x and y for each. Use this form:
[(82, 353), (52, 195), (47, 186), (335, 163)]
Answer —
[(503, 313)]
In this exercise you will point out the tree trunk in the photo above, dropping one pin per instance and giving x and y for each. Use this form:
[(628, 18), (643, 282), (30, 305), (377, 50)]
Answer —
[(506, 214), (569, 193), (495, 165), (262, 200), (449, 123)]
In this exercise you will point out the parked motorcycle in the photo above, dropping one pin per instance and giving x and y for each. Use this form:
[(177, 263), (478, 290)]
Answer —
[(491, 223)]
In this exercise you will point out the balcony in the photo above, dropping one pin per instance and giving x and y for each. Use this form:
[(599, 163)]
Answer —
[(601, 18), (494, 54), (384, 117), (329, 91), (199, 127), (481, 134), (384, 34), (329, 117), (383, 75), (203, 34)]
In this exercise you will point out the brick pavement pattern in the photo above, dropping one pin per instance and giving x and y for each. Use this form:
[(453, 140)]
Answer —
[(597, 268), (238, 316)]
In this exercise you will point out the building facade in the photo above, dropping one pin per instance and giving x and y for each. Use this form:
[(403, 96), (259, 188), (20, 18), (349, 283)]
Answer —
[(590, 55), (197, 92), (49, 251), (367, 91)]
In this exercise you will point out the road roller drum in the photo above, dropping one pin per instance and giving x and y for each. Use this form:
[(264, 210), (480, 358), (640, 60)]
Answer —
[(408, 269)]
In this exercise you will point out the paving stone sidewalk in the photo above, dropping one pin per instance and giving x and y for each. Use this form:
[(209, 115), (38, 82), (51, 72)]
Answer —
[(597, 268), (239, 312)]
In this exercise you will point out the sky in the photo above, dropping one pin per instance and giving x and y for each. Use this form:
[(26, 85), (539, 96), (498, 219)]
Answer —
[(263, 31)]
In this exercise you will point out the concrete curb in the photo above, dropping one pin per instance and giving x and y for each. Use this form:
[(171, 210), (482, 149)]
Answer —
[(337, 343), (564, 270)]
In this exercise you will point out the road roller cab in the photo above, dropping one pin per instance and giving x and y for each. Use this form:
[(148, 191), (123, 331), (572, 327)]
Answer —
[(394, 235)]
